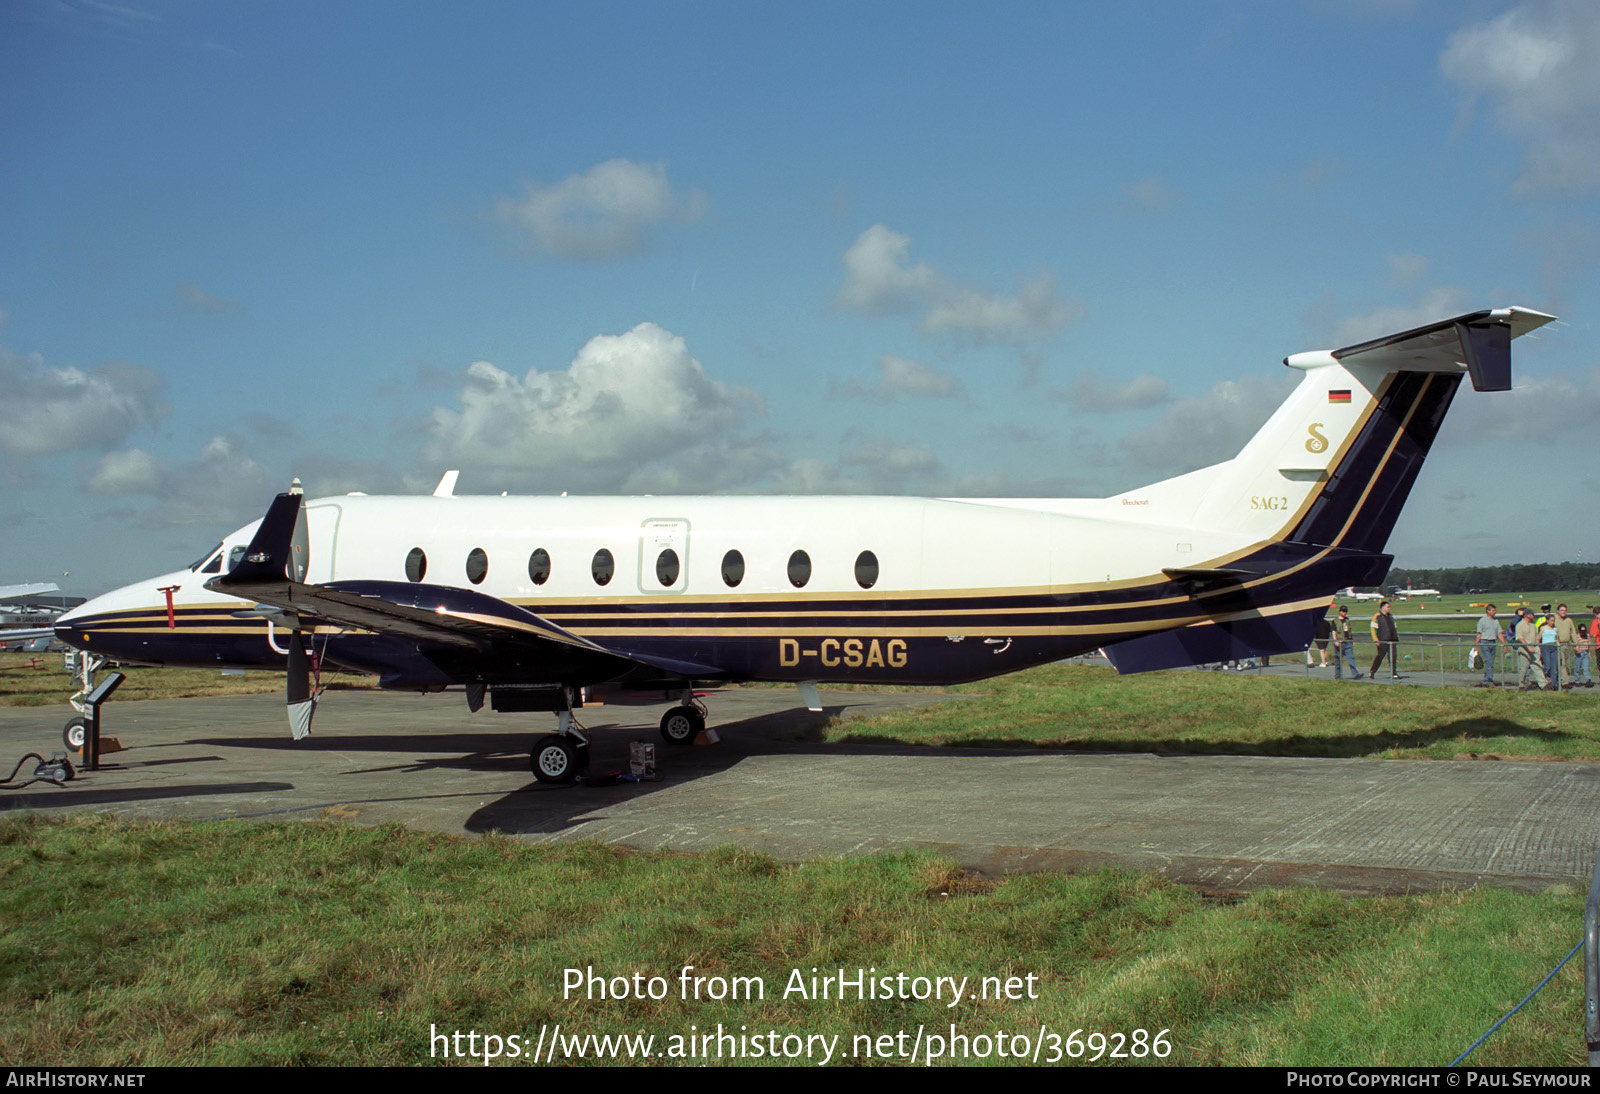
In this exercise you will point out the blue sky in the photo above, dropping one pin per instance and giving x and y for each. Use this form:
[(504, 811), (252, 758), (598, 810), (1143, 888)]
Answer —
[(1037, 248)]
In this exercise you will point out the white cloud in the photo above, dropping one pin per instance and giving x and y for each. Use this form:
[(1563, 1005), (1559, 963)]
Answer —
[(1436, 304), (1199, 431), (133, 471), (872, 467), (607, 211), (632, 411), (880, 279), (195, 301), (1087, 393), (1405, 269), (1550, 411), (902, 376), (219, 490), (1153, 193), (1323, 171), (1538, 66), (60, 409), (895, 460)]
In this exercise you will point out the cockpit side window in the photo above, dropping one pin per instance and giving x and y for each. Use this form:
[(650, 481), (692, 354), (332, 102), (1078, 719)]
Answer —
[(214, 566), (235, 555)]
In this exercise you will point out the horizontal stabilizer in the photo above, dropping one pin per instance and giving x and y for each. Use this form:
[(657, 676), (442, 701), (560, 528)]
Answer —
[(1480, 340)]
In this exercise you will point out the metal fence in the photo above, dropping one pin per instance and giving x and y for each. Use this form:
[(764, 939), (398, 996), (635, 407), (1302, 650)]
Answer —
[(1448, 654)]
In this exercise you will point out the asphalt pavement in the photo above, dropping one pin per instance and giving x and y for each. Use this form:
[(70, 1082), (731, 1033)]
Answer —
[(1223, 823)]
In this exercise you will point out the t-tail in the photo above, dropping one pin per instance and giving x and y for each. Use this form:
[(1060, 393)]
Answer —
[(1314, 495)]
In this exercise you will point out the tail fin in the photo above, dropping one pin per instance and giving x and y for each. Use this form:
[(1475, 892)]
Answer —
[(1317, 491), (1333, 466)]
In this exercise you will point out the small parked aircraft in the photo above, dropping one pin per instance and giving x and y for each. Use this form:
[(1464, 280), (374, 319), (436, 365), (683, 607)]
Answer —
[(528, 601), (17, 629)]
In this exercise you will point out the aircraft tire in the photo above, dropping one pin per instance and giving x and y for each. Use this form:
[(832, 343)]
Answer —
[(681, 725), (74, 733), (554, 760)]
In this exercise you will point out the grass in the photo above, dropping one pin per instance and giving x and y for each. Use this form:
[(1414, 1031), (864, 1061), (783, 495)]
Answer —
[(1183, 711), (38, 680), (245, 944), (235, 943)]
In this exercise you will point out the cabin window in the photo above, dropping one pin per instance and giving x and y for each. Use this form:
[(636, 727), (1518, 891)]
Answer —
[(799, 569), (866, 569), (477, 565), (603, 567), (667, 567), (416, 565), (539, 566), (732, 569)]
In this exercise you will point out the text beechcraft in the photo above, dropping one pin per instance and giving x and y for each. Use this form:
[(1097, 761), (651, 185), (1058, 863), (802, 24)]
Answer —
[(528, 601)]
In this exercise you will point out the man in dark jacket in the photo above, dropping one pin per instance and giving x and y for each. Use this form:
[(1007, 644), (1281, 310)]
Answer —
[(1386, 636)]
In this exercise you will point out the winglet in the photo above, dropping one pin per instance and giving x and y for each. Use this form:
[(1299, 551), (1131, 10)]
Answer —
[(279, 549)]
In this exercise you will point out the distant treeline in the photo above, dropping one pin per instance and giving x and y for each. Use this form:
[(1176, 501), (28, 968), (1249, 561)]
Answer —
[(1501, 579)]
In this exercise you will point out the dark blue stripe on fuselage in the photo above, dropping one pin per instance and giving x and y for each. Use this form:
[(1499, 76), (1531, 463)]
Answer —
[(1291, 572)]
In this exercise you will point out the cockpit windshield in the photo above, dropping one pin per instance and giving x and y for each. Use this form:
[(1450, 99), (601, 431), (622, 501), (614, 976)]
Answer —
[(205, 558)]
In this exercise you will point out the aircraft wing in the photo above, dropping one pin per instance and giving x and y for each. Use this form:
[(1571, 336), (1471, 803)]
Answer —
[(459, 619), (26, 634), (470, 634), (23, 592)]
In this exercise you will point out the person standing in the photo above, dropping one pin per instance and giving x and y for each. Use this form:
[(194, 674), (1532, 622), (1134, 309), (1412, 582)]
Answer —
[(1550, 651), (1567, 644), (1344, 646), (1387, 637), (1527, 643), (1488, 641), (1320, 641)]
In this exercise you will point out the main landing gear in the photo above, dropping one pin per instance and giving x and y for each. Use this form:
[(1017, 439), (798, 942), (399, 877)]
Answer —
[(682, 724), (558, 757)]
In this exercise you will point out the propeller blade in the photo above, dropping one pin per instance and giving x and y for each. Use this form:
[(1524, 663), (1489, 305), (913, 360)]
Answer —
[(302, 703)]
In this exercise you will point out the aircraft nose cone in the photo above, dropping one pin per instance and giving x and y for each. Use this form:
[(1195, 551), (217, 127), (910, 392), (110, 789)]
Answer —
[(68, 631), (69, 625)]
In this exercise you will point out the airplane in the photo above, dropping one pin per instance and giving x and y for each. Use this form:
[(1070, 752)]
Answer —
[(1407, 594), (1348, 593), (532, 603), (15, 633), (9, 593)]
